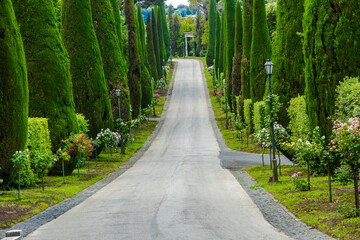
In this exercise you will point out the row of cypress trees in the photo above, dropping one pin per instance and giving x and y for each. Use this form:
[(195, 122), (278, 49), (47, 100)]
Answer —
[(75, 70), (315, 47)]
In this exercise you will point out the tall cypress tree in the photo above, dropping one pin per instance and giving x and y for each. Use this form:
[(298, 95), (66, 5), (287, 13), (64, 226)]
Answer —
[(323, 55), (146, 89), (260, 51), (90, 88), (171, 30), (222, 45), (217, 43), (113, 60), (236, 74), (134, 73), (212, 33), (155, 33), (230, 35), (199, 31), (166, 33), (288, 77), (159, 26), (245, 61), (117, 16), (50, 87), (14, 94), (150, 49)]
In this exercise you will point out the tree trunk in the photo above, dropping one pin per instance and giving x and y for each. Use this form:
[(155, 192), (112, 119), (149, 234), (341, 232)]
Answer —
[(308, 173), (356, 184)]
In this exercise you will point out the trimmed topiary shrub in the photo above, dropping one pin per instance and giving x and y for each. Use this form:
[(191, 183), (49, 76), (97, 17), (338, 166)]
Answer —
[(50, 86), (259, 116), (348, 99), (248, 114), (298, 118), (39, 136), (13, 92)]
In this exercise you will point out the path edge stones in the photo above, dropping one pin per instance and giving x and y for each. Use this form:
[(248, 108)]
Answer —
[(57, 210), (272, 210)]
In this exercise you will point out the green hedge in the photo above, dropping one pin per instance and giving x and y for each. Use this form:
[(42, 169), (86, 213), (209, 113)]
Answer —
[(83, 123), (248, 113), (299, 120), (39, 135), (259, 115)]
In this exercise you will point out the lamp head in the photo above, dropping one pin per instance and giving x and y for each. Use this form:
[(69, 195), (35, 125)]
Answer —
[(117, 91), (269, 67)]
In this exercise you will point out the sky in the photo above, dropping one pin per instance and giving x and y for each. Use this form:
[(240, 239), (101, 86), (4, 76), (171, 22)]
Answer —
[(175, 3)]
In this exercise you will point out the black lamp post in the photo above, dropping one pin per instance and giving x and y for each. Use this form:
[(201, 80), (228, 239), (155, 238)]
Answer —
[(269, 69), (117, 91)]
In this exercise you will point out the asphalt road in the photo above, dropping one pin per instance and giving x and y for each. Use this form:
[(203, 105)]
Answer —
[(177, 190)]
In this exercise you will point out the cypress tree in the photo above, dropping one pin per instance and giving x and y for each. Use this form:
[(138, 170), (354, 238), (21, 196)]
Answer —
[(150, 49), (199, 31), (171, 30), (288, 76), (245, 61), (327, 24), (217, 43), (212, 33), (260, 51), (146, 88), (230, 35), (113, 60), (50, 87), (159, 26), (236, 74), (117, 16), (90, 88), (134, 73), (155, 33), (14, 94), (222, 45), (166, 33)]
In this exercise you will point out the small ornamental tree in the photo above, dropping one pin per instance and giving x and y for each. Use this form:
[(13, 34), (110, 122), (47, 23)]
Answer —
[(346, 144), (14, 95), (49, 79)]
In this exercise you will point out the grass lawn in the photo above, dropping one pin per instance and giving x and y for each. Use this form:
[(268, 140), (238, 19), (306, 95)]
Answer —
[(34, 200)]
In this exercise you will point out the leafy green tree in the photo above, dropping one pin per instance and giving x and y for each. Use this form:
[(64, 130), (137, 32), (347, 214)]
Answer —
[(175, 33), (212, 33), (14, 93), (165, 29), (150, 49), (271, 9), (245, 60), (113, 60), (236, 74), (199, 31), (326, 61), (134, 73), (260, 51), (217, 43), (50, 87), (162, 51), (288, 76), (89, 84), (230, 35), (156, 43)]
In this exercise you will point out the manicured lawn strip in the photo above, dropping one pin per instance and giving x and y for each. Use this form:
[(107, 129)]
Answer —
[(312, 207)]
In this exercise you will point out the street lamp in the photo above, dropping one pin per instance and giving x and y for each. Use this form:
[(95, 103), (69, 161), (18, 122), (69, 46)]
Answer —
[(269, 69), (226, 111), (117, 91)]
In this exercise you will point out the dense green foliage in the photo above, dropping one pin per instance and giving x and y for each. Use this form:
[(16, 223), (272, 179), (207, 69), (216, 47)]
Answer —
[(217, 43), (298, 118), (160, 31), (230, 36), (166, 34), (212, 33), (259, 116), (13, 92), (150, 50), (39, 136), (260, 51), (245, 60), (118, 23), (330, 55), (288, 76), (155, 35), (134, 73), (83, 123), (222, 45), (113, 60), (89, 84), (50, 86), (248, 114), (348, 99), (236, 71), (199, 32)]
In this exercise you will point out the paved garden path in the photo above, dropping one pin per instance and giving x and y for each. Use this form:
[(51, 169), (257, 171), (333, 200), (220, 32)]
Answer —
[(177, 190)]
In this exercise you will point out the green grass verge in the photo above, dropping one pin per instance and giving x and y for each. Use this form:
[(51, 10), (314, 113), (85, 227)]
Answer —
[(313, 207)]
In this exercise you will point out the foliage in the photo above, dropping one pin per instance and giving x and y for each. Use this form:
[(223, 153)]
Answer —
[(118, 22), (347, 211), (13, 92), (300, 183), (348, 99), (155, 34), (108, 138), (161, 83), (50, 86), (166, 34), (263, 136), (150, 50), (39, 136), (259, 116), (288, 79), (91, 95), (212, 31), (217, 43), (21, 162), (248, 114), (298, 118), (276, 106), (343, 175), (41, 162), (271, 18), (83, 123), (260, 51), (199, 32)]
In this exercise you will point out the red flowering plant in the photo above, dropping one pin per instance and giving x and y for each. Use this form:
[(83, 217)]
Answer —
[(78, 144)]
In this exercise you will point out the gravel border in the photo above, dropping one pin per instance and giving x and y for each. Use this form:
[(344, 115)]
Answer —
[(273, 211), (57, 210)]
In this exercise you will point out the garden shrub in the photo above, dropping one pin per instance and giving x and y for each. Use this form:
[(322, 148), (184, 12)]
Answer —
[(248, 113), (259, 116), (83, 123), (299, 120), (348, 99), (343, 175), (39, 136), (22, 164)]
